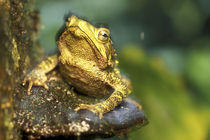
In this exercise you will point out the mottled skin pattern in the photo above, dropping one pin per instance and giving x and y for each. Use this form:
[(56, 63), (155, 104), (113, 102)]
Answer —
[(87, 62)]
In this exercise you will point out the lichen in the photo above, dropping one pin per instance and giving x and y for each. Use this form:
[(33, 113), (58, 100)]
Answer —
[(15, 55)]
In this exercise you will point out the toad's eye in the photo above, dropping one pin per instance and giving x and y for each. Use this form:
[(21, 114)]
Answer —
[(103, 35)]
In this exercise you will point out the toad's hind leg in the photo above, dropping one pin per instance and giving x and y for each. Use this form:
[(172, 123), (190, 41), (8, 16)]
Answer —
[(121, 86), (109, 104)]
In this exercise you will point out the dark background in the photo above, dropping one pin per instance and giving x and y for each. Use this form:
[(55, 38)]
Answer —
[(163, 46)]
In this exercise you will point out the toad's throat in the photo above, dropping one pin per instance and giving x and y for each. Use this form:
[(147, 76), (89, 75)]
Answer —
[(85, 81)]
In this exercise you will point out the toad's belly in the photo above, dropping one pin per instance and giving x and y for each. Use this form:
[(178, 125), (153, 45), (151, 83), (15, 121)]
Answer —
[(86, 82)]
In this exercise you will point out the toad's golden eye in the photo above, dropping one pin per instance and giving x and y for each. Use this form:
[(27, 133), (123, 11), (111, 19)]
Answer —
[(103, 35)]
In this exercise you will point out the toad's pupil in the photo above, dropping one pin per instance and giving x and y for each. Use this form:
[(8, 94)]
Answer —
[(105, 35)]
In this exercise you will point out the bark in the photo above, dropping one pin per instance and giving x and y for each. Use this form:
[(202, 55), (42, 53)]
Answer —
[(18, 29)]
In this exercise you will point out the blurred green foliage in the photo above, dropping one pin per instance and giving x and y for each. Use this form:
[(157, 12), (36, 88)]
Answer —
[(169, 66), (172, 113), (198, 69)]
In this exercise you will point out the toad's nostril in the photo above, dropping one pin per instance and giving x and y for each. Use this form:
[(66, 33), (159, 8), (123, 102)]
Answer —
[(71, 20)]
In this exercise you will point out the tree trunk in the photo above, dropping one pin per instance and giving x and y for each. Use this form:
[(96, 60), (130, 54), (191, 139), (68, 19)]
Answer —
[(18, 31)]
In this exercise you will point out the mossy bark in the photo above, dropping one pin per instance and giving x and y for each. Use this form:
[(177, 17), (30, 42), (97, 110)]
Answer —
[(18, 29)]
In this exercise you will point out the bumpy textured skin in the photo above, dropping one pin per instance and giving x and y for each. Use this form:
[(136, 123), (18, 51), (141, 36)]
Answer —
[(87, 61)]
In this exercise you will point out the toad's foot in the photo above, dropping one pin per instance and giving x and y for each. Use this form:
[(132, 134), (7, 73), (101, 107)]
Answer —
[(35, 78), (95, 108)]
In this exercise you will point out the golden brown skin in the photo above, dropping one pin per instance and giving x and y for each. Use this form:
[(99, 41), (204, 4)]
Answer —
[(87, 62)]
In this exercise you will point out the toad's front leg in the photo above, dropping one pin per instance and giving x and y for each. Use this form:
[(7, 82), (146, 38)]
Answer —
[(109, 104), (38, 76)]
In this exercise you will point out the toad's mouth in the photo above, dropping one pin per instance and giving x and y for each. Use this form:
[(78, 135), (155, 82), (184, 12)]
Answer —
[(76, 31)]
